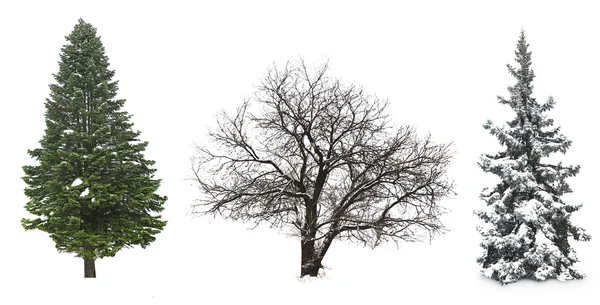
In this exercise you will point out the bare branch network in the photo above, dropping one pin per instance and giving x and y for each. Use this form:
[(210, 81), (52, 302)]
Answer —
[(322, 159)]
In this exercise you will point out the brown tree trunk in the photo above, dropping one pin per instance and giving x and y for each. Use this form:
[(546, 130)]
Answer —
[(89, 268), (310, 262), (311, 258)]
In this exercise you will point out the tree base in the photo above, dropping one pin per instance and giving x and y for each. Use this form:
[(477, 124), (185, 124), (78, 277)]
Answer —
[(311, 270), (89, 268)]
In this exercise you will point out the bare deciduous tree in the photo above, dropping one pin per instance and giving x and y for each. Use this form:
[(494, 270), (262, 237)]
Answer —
[(322, 159)]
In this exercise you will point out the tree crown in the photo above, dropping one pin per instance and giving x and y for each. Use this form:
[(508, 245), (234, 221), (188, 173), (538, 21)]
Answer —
[(93, 190), (321, 156)]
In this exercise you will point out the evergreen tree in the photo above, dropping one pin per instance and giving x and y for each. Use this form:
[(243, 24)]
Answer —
[(93, 191), (528, 224)]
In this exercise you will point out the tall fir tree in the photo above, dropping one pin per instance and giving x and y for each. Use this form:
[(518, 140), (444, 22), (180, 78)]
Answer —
[(528, 225), (93, 191)]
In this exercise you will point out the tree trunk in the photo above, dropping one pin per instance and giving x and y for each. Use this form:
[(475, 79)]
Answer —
[(89, 268), (310, 262), (311, 258)]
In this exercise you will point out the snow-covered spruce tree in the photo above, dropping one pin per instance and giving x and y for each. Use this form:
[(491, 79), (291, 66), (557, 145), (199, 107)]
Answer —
[(528, 224), (93, 191)]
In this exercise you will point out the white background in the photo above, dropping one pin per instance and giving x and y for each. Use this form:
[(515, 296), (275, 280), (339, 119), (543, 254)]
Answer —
[(441, 65)]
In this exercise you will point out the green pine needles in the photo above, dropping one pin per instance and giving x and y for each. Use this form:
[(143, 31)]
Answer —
[(93, 191)]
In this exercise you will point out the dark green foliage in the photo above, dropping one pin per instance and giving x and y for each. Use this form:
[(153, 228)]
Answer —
[(89, 137)]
